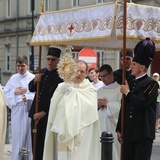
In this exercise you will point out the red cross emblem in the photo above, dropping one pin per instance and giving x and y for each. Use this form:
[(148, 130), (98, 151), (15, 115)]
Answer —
[(71, 28)]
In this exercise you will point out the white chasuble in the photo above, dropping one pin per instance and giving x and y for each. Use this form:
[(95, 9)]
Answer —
[(3, 122), (73, 121)]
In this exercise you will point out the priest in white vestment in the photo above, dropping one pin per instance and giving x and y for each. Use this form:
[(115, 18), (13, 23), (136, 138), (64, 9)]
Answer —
[(73, 120), (3, 122), (19, 100), (109, 102)]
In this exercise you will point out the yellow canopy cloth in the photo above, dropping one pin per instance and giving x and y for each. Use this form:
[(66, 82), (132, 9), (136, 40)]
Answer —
[(73, 113), (3, 122)]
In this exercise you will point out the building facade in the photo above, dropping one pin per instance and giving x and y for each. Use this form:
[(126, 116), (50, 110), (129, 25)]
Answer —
[(17, 21)]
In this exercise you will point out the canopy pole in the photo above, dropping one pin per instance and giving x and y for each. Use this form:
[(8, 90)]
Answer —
[(36, 107), (37, 95), (123, 73)]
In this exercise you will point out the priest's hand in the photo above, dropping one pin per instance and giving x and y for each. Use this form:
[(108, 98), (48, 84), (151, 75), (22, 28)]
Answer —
[(125, 88), (24, 98), (119, 137), (38, 77), (38, 116), (20, 91), (102, 103)]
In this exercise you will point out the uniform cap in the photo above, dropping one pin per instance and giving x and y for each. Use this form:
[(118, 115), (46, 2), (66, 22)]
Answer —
[(144, 52), (54, 51), (128, 53)]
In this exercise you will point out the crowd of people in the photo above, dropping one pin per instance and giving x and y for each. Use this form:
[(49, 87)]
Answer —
[(76, 113)]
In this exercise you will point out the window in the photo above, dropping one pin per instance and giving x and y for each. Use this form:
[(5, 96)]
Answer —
[(8, 8), (8, 58), (31, 4), (75, 54), (29, 56), (100, 1), (47, 4), (1, 78), (36, 58), (100, 54), (75, 3)]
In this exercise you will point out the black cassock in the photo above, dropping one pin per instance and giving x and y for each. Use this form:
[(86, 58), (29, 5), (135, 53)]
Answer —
[(139, 118), (48, 84)]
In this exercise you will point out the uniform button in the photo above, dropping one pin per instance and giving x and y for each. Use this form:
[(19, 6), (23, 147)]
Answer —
[(130, 116)]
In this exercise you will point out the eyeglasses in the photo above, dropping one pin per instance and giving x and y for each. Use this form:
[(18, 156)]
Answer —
[(22, 66), (126, 59), (51, 59), (104, 76)]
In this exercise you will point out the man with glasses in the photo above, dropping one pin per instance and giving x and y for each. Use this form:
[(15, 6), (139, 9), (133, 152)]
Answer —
[(19, 99), (109, 102), (128, 60), (49, 80)]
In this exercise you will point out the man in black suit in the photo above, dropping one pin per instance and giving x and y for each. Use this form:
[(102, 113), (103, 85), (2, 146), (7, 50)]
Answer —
[(128, 60), (140, 106), (49, 80)]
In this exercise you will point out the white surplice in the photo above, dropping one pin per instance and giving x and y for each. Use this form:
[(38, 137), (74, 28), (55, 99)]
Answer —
[(97, 85), (20, 122), (108, 116), (73, 121), (3, 122)]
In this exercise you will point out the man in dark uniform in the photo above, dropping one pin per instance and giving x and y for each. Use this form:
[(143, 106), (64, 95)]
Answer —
[(128, 60), (49, 80), (140, 106)]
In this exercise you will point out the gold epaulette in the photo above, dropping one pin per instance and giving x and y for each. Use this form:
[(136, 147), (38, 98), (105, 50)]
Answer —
[(150, 88)]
